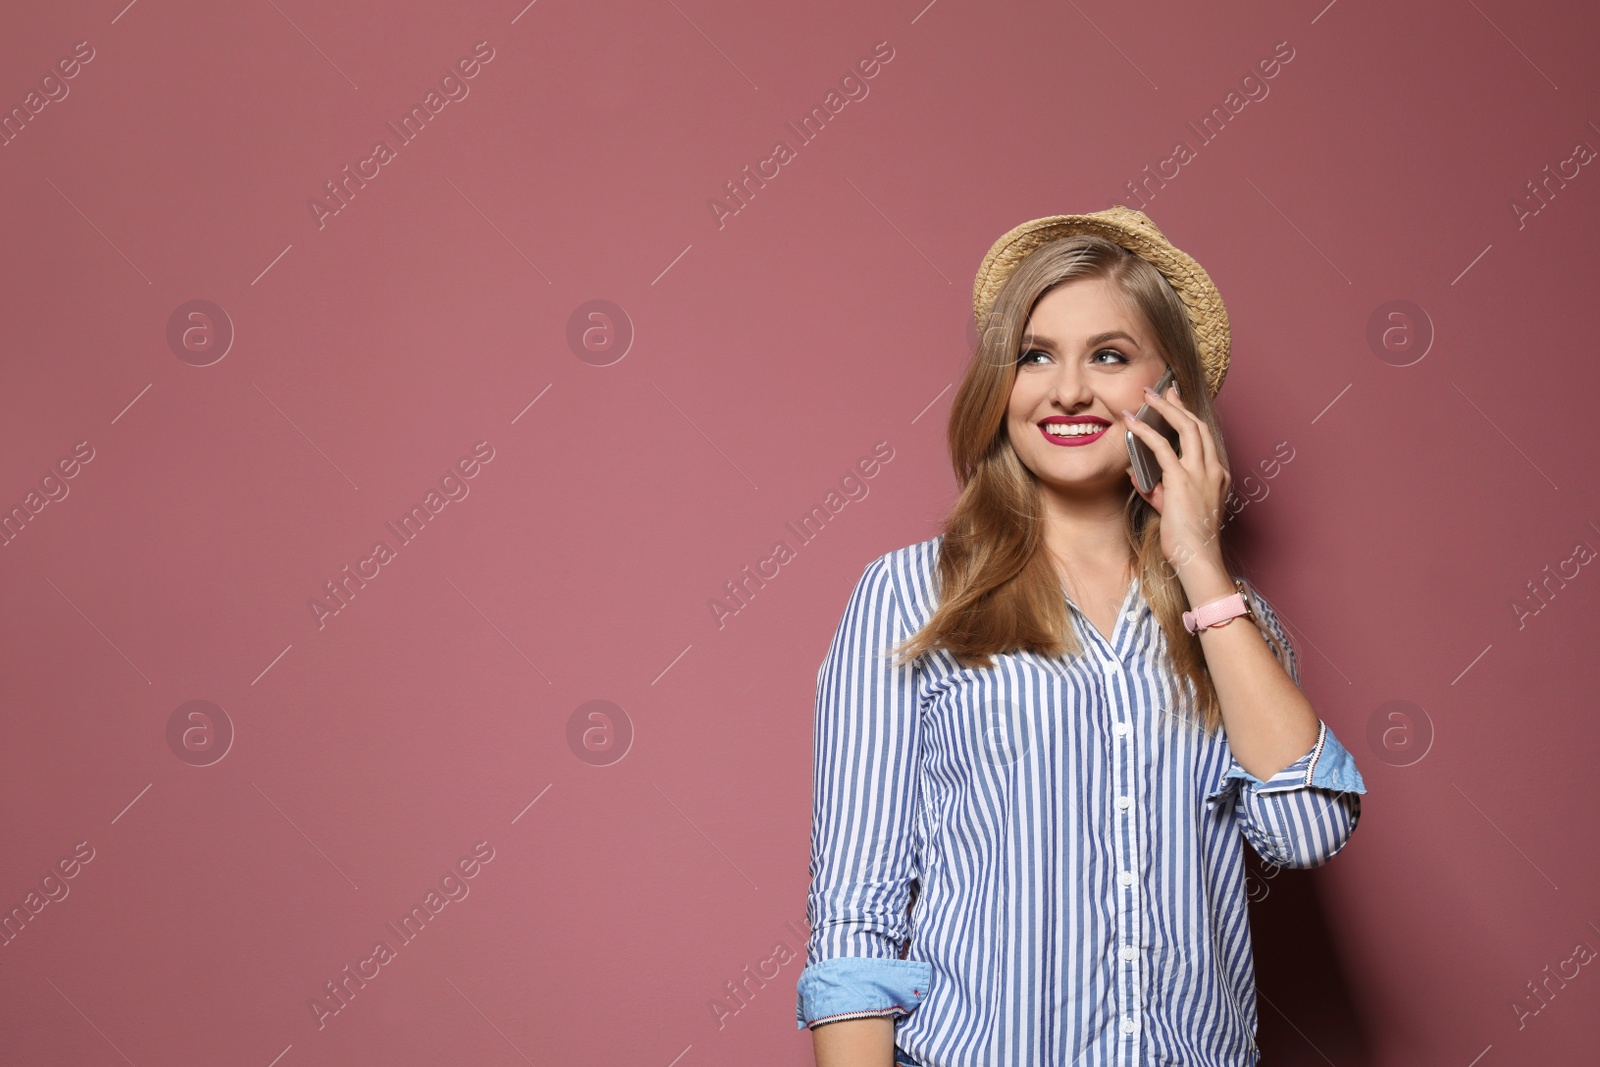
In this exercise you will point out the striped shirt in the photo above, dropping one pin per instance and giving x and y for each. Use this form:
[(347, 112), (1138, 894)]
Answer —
[(1076, 853)]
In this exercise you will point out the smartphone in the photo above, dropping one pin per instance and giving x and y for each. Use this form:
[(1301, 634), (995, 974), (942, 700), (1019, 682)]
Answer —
[(1146, 468)]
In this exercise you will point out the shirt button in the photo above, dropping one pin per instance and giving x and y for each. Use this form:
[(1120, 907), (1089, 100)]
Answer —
[(1123, 802), (1128, 1026), (1112, 666), (1128, 952), (1131, 615), (1127, 877), (1122, 729)]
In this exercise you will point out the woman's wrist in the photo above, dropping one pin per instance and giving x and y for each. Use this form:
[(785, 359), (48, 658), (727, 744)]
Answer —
[(1204, 581)]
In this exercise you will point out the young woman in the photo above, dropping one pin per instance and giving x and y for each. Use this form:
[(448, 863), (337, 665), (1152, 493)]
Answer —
[(1040, 735)]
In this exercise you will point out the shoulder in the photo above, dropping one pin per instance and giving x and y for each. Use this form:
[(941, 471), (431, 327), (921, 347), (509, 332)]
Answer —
[(910, 575), (911, 561)]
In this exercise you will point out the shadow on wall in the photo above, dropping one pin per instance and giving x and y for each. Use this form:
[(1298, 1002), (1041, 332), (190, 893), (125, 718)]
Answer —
[(1307, 1010)]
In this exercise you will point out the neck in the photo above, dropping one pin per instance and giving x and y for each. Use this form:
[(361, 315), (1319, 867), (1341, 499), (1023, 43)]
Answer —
[(1086, 531)]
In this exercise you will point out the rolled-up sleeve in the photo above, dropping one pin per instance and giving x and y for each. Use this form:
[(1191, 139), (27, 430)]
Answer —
[(1303, 815), (863, 829)]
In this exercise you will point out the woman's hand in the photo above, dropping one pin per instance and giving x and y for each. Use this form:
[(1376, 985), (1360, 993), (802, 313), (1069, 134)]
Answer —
[(1193, 487)]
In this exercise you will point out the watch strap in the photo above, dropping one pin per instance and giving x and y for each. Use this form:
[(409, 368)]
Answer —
[(1218, 612)]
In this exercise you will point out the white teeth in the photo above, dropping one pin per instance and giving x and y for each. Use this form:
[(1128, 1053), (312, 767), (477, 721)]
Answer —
[(1074, 429)]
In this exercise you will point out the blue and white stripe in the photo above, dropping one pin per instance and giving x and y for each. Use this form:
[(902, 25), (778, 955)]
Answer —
[(1081, 894)]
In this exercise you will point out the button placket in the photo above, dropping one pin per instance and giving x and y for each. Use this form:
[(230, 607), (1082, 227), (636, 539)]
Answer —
[(1126, 925)]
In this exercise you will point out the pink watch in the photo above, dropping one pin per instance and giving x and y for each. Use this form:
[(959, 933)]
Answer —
[(1219, 612)]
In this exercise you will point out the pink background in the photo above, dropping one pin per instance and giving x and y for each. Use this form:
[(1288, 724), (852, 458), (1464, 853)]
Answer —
[(361, 759)]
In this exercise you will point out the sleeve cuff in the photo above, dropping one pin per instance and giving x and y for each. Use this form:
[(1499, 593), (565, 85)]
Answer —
[(1328, 765), (851, 987)]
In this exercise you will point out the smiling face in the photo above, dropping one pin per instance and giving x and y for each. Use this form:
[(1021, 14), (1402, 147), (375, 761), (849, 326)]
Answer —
[(1084, 357)]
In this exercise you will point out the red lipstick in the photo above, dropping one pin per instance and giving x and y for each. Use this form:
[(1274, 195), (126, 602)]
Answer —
[(1081, 437)]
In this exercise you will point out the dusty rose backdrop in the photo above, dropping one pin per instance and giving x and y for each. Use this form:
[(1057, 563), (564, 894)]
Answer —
[(404, 406)]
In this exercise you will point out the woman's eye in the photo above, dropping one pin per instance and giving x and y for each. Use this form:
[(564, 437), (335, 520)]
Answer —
[(1028, 355)]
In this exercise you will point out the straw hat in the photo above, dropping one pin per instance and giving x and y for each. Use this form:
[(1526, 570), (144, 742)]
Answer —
[(1134, 231)]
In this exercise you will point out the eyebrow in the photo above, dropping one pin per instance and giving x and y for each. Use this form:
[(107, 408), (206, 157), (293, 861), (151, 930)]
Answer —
[(1097, 339)]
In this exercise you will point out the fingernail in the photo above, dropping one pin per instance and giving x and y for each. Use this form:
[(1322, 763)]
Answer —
[(1127, 416), (1175, 389)]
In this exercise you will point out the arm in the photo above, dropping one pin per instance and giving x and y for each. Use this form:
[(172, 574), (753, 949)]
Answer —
[(1295, 814), (1301, 792), (863, 859), (1303, 815), (854, 1043)]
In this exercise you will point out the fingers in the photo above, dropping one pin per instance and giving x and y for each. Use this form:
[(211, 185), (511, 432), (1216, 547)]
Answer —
[(1180, 419), (1192, 431), (1208, 442), (1158, 442), (1200, 456)]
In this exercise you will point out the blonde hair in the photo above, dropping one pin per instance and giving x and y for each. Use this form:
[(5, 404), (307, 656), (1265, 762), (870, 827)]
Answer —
[(999, 591)]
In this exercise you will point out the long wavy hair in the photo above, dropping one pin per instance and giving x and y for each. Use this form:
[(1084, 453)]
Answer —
[(999, 591)]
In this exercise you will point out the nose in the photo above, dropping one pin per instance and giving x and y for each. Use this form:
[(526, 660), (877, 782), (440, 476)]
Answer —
[(1071, 385)]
